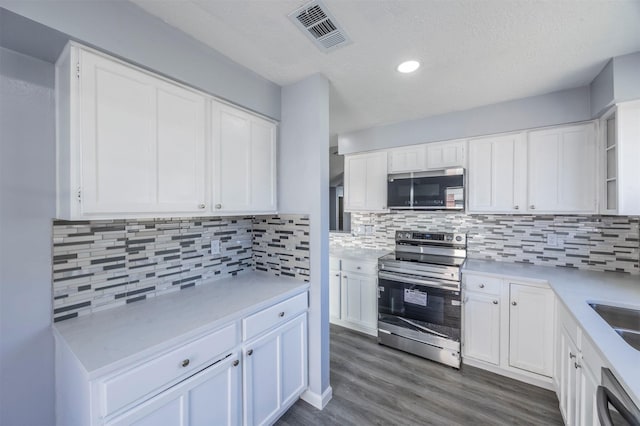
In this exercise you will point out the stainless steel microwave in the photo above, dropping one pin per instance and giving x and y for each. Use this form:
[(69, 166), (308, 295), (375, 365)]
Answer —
[(432, 190)]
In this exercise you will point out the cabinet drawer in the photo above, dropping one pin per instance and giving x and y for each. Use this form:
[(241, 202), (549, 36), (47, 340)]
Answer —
[(130, 386), (482, 284), (282, 312), (360, 267)]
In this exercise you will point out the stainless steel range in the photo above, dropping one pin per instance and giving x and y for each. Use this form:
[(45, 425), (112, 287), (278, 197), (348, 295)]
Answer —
[(419, 306)]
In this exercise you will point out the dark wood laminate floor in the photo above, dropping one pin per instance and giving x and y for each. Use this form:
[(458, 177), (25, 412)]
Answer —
[(376, 385)]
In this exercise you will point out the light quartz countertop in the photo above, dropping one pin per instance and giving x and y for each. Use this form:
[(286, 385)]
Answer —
[(575, 289), (357, 253), (107, 340)]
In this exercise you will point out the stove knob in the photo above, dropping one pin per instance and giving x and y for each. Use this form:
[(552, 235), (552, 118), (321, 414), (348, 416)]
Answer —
[(458, 238)]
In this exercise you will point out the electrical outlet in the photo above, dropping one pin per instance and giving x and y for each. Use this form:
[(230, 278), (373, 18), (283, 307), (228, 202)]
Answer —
[(215, 246), (552, 240)]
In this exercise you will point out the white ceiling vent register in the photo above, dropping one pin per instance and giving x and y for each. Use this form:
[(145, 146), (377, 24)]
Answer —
[(315, 20)]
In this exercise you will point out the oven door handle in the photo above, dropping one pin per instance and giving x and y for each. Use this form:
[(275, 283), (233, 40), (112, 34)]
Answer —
[(417, 281)]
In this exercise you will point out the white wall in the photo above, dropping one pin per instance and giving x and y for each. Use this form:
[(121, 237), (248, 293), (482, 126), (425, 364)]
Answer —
[(122, 28), (303, 187), (26, 207), (566, 106), (601, 90)]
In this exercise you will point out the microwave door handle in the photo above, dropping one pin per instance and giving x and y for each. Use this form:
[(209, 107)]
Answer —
[(604, 397)]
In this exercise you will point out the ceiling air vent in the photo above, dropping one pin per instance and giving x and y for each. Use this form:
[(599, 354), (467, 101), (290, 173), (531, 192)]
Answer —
[(320, 26)]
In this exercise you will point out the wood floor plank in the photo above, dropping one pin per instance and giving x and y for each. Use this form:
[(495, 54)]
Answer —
[(377, 385)]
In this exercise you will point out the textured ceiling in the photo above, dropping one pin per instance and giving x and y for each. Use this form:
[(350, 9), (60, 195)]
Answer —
[(473, 52)]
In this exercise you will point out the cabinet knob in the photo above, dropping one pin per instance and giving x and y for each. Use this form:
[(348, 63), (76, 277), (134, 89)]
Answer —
[(495, 302), (235, 363), (337, 275), (185, 362), (358, 267), (532, 207), (218, 206), (571, 355), (281, 314), (250, 352), (516, 207), (344, 276), (481, 285), (201, 206), (576, 365), (514, 303)]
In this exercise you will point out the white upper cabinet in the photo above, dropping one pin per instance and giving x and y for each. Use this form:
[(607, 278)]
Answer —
[(561, 164), (244, 161), (133, 144), (409, 159), (620, 153), (443, 155), (128, 143), (365, 177), (495, 174)]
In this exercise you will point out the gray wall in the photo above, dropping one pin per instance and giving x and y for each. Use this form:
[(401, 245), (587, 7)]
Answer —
[(626, 73), (123, 29), (566, 106), (303, 180), (27, 205), (601, 88)]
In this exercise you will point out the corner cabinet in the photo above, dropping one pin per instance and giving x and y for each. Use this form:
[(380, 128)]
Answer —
[(247, 371), (130, 143), (365, 182), (243, 160)]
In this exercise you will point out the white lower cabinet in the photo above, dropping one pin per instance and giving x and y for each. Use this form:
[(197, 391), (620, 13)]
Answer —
[(482, 327), (508, 327), (578, 368), (353, 295), (218, 378), (211, 397), (275, 371)]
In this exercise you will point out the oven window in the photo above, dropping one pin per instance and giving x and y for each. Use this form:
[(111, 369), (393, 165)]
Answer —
[(434, 308)]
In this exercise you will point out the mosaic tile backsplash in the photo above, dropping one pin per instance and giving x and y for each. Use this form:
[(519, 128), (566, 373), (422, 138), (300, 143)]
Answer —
[(99, 265), (599, 243)]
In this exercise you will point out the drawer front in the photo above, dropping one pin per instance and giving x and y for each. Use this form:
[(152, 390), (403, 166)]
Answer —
[(334, 263), (360, 267), (482, 284), (153, 375), (270, 317)]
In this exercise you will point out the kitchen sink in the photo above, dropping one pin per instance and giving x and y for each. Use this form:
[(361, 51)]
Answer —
[(624, 321)]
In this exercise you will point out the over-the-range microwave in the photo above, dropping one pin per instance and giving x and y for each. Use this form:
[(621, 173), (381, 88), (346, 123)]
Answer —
[(430, 190)]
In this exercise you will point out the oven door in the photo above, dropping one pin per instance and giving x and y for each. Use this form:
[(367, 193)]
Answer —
[(438, 192), (426, 313)]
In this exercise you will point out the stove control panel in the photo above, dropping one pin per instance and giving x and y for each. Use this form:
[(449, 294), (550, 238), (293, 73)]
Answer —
[(431, 237)]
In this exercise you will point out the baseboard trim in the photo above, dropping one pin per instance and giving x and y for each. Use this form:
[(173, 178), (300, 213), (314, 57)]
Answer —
[(318, 401), (542, 382)]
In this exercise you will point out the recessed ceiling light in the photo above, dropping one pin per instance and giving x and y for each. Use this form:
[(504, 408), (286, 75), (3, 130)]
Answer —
[(408, 66)]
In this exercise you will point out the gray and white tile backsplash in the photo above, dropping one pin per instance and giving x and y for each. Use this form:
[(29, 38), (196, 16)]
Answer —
[(102, 264), (599, 243)]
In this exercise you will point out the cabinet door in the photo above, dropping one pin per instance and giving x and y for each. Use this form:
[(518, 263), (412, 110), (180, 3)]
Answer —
[(243, 161), (212, 396), (442, 155), (495, 174), (531, 324), (360, 300), (142, 141), (562, 169), (588, 411), (275, 371), (570, 380), (366, 182), (334, 293), (482, 327), (410, 159)]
